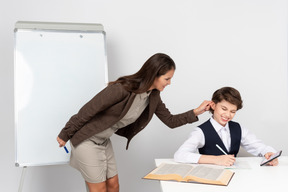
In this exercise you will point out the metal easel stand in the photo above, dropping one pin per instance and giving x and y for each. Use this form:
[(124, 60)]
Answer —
[(87, 189), (24, 170), (22, 179)]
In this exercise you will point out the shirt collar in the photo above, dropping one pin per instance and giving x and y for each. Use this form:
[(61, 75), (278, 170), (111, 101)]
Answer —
[(217, 126), (144, 95)]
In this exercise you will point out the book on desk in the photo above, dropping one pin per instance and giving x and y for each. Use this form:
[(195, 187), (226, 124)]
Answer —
[(191, 173)]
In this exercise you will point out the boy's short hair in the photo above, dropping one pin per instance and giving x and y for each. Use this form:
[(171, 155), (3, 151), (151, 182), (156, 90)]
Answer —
[(228, 94)]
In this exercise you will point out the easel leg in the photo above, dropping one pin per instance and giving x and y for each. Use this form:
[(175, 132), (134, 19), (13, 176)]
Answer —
[(22, 178), (87, 189)]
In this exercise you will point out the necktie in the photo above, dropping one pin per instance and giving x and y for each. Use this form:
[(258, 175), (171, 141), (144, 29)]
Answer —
[(225, 137)]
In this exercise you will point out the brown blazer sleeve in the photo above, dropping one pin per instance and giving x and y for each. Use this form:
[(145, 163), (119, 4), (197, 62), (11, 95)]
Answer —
[(104, 99), (174, 121)]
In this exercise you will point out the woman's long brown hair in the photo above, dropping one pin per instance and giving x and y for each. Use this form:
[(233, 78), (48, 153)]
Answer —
[(157, 65)]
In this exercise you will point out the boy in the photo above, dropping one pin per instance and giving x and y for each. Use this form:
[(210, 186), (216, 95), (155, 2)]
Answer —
[(220, 135)]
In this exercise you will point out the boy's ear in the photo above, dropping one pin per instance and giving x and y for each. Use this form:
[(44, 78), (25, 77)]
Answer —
[(213, 105)]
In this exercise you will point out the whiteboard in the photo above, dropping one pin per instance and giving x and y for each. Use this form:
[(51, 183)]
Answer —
[(58, 67)]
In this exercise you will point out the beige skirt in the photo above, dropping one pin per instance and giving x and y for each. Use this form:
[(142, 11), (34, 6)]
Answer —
[(95, 162)]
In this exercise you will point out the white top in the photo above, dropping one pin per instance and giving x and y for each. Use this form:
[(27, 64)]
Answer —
[(188, 151)]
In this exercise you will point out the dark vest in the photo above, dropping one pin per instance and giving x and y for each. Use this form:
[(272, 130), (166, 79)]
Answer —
[(212, 138)]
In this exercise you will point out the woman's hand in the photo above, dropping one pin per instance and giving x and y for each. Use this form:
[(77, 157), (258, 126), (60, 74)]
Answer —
[(273, 162), (61, 142), (205, 106)]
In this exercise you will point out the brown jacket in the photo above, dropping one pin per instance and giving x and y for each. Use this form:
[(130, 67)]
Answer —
[(109, 106)]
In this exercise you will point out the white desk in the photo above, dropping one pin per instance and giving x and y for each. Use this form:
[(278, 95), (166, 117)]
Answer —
[(257, 178)]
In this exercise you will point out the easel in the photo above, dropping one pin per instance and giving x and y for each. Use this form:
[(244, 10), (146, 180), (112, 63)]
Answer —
[(22, 178), (24, 170), (87, 189), (68, 38)]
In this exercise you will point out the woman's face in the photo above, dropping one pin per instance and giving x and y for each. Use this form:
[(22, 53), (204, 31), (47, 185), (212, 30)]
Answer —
[(161, 82)]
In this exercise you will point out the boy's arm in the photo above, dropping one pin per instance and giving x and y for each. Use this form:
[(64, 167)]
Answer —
[(188, 151), (253, 145), (225, 160)]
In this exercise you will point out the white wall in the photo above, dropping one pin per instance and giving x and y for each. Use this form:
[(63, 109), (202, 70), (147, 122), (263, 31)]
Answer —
[(239, 43)]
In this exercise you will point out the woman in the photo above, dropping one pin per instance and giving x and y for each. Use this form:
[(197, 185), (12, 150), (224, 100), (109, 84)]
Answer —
[(124, 107)]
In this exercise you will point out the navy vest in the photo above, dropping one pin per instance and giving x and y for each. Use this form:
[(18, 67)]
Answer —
[(212, 138)]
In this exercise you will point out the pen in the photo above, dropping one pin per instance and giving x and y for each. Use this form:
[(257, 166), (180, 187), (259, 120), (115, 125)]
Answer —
[(221, 149), (66, 149)]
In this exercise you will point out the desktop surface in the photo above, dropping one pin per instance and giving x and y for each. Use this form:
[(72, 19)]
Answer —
[(251, 178)]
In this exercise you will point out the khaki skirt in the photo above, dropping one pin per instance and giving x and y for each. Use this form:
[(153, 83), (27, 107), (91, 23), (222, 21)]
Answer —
[(96, 162)]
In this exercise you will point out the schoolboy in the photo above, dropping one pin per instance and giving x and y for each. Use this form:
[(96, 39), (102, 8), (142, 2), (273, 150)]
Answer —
[(221, 130)]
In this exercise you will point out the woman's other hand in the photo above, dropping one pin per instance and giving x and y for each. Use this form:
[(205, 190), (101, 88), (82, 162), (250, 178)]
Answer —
[(61, 142)]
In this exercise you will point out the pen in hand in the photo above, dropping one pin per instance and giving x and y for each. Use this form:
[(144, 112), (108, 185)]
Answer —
[(229, 160), (221, 149), (62, 144)]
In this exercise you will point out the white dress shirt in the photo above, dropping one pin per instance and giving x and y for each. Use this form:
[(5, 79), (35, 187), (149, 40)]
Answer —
[(188, 151)]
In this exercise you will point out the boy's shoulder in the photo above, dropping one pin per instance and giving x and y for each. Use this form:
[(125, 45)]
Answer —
[(208, 122), (233, 123)]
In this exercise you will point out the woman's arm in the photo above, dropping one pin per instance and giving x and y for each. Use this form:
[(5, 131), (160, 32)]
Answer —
[(173, 121), (104, 99)]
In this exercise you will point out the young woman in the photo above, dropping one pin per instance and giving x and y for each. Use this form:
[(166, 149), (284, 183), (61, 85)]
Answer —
[(124, 107)]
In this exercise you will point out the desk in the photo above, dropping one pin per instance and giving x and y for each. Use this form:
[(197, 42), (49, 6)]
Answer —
[(258, 178)]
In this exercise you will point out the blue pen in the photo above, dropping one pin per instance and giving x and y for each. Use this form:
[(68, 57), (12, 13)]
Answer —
[(66, 149)]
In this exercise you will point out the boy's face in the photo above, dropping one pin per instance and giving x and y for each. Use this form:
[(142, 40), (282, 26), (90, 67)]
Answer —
[(223, 112)]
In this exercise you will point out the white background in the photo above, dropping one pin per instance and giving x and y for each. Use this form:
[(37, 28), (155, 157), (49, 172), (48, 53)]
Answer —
[(239, 43)]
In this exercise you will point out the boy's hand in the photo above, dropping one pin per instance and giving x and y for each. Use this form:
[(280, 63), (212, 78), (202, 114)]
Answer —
[(225, 160), (272, 163)]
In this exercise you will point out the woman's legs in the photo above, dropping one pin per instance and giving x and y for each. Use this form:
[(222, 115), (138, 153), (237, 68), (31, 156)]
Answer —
[(111, 185), (97, 187)]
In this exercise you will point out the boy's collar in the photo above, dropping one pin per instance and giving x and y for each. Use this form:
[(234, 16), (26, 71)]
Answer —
[(216, 125)]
